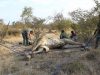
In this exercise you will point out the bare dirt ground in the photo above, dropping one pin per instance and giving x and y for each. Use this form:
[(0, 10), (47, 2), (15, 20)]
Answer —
[(56, 62)]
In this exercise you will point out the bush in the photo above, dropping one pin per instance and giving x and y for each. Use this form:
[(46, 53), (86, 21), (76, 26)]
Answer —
[(73, 67)]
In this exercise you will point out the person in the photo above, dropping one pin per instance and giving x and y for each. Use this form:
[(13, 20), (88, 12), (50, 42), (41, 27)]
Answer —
[(97, 35), (31, 37), (73, 36), (63, 34), (25, 37), (64, 37)]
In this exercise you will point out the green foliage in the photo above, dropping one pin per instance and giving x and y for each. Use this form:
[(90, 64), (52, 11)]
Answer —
[(60, 22), (85, 23), (38, 22), (30, 21)]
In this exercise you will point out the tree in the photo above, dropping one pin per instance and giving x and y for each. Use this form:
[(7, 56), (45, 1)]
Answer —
[(27, 15), (38, 25), (1, 22), (60, 22), (85, 23), (38, 22), (97, 9)]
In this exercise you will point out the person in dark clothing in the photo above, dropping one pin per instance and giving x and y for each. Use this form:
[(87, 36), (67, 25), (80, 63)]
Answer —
[(63, 34), (73, 36), (97, 35), (25, 37)]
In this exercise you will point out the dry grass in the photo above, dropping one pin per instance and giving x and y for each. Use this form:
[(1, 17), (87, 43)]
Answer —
[(4, 51), (87, 63), (13, 39), (75, 68)]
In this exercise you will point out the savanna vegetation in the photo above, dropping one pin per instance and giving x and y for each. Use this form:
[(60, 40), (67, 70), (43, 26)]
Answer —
[(83, 22)]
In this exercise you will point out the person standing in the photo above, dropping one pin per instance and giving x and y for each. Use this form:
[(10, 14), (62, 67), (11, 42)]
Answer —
[(25, 37)]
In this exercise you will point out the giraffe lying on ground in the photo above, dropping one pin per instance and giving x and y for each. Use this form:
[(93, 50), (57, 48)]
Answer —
[(52, 41)]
